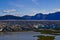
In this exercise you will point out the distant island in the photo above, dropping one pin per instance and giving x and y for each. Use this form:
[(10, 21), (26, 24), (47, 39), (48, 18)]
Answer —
[(38, 16)]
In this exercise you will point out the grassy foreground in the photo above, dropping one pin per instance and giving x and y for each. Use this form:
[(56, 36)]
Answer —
[(47, 31), (46, 37)]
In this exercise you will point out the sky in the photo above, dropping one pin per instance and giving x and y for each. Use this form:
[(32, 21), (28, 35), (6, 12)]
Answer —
[(28, 7)]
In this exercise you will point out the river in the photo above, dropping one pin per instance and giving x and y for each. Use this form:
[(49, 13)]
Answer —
[(25, 36)]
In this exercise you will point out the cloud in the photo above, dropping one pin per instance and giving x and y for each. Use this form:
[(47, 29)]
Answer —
[(35, 2), (50, 11), (35, 11), (9, 11), (16, 4), (57, 9), (54, 10)]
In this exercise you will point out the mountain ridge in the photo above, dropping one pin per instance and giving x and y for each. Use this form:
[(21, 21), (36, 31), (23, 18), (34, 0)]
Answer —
[(39, 16)]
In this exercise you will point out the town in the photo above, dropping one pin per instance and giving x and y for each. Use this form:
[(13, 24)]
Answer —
[(28, 25)]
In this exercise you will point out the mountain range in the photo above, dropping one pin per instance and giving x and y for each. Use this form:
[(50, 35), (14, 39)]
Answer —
[(38, 16)]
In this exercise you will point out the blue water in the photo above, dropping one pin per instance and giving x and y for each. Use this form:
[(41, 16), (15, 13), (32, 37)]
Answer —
[(19, 36), (23, 36)]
